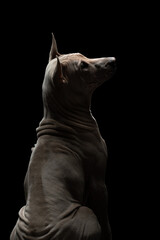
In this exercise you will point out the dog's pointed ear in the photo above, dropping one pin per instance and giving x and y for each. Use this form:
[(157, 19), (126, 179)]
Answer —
[(54, 49), (58, 73)]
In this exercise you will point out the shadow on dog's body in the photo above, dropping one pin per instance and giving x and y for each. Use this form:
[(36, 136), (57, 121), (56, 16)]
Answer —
[(66, 195)]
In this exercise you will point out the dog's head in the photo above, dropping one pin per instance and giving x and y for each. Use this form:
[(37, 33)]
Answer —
[(70, 79)]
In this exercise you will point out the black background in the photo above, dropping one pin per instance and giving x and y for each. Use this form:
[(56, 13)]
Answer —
[(110, 29)]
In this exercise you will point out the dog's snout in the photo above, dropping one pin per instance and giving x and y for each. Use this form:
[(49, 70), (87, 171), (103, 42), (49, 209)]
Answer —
[(111, 62), (105, 62)]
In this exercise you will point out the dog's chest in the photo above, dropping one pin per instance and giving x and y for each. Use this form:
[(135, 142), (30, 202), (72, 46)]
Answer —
[(94, 151)]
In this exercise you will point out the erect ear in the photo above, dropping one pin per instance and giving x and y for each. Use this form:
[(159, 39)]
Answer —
[(53, 50), (58, 73)]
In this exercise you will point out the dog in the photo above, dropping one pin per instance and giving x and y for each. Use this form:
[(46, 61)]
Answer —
[(65, 190)]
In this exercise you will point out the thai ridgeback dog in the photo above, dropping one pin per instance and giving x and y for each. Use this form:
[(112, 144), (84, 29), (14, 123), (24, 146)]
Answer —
[(66, 195)]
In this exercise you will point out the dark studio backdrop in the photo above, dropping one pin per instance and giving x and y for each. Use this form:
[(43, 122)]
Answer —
[(106, 31)]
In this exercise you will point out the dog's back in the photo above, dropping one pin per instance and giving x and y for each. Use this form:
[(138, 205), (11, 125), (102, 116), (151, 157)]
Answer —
[(66, 196)]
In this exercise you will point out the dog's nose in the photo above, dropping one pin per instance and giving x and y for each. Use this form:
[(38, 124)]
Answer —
[(103, 63)]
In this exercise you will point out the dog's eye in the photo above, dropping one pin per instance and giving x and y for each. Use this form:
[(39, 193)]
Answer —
[(84, 65)]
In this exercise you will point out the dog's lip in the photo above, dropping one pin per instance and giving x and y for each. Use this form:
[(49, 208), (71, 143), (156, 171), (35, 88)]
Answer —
[(103, 76), (107, 72), (110, 73), (112, 67)]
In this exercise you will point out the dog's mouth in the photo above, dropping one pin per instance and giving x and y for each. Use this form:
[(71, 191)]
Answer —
[(102, 76), (111, 67), (107, 70), (106, 74), (110, 72)]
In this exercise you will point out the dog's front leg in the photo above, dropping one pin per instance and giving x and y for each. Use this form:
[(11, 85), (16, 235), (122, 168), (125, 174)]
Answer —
[(98, 202)]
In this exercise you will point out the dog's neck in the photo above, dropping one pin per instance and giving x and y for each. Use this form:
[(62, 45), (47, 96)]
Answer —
[(49, 126), (79, 118)]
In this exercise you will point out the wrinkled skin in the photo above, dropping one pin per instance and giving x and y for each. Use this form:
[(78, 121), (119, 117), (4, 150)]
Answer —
[(66, 195)]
